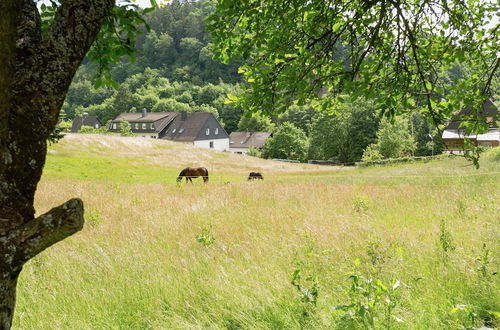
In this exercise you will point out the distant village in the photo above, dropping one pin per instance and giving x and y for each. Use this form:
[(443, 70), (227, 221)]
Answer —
[(202, 129)]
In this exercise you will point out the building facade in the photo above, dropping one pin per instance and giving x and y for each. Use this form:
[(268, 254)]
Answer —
[(200, 129), (454, 134), (241, 142)]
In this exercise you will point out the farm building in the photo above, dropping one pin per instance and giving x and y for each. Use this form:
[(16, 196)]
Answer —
[(85, 120), (201, 129), (240, 142), (454, 135)]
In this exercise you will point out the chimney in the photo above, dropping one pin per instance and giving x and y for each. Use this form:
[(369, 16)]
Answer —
[(144, 112), (184, 115)]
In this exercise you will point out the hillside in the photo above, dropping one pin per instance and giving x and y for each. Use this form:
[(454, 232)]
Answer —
[(125, 158), (420, 238)]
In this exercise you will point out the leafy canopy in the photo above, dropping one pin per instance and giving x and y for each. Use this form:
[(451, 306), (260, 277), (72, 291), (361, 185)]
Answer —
[(116, 38), (392, 51)]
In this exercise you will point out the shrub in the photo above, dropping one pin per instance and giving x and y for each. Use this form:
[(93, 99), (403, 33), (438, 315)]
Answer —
[(288, 142), (371, 306), (125, 129), (254, 152)]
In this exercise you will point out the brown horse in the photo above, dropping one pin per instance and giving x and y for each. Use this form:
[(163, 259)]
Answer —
[(255, 176), (193, 172)]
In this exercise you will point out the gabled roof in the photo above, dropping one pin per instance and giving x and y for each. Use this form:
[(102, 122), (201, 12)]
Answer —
[(159, 127), (187, 126), (86, 120), (248, 139), (138, 117), (488, 110)]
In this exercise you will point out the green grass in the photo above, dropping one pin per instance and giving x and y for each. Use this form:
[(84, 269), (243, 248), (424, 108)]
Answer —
[(138, 263)]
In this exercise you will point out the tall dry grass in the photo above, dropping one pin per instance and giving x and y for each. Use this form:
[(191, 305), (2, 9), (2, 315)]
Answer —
[(138, 264)]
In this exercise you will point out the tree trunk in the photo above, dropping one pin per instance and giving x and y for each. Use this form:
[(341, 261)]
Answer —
[(7, 298), (35, 74)]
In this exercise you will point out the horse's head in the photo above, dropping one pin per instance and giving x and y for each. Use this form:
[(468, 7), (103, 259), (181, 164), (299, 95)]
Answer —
[(179, 179)]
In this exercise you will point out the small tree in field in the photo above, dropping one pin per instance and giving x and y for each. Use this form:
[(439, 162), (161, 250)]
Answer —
[(288, 142), (393, 140)]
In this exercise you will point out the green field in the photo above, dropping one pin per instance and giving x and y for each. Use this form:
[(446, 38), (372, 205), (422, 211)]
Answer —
[(421, 240)]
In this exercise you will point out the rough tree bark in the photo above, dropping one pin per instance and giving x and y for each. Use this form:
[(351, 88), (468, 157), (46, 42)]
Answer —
[(35, 74)]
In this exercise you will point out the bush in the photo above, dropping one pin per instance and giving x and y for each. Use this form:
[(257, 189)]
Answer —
[(393, 140), (87, 130), (125, 129), (254, 152), (371, 153), (289, 142), (65, 126)]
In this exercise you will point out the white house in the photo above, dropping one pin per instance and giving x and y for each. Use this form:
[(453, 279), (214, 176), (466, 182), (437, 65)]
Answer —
[(240, 142), (454, 135), (200, 129)]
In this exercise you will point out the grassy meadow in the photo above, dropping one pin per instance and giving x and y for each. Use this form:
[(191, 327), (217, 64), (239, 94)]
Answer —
[(412, 246)]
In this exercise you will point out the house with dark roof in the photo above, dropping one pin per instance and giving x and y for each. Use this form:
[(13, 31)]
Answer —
[(85, 120), (200, 129), (240, 142), (454, 135)]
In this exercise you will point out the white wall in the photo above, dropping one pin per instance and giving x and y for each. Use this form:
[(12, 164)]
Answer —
[(148, 135), (239, 150), (219, 144)]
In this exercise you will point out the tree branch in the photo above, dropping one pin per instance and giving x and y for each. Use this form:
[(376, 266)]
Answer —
[(48, 229)]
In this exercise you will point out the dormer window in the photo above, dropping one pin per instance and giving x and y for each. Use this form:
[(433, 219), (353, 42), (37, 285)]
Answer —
[(207, 132), (151, 126), (143, 125), (173, 131), (136, 125), (216, 131), (181, 130)]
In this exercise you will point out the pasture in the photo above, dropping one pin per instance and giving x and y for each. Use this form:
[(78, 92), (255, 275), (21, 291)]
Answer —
[(421, 239)]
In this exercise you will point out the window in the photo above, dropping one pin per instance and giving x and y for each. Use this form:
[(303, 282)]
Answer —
[(207, 132), (173, 131), (211, 144), (181, 130), (136, 126), (96, 125), (114, 125), (151, 126), (216, 131), (143, 125)]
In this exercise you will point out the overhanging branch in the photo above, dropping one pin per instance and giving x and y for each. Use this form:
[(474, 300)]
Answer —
[(48, 229)]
